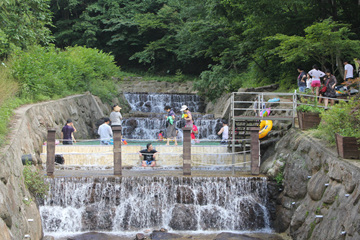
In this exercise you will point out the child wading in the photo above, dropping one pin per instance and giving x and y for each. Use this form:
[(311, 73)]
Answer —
[(170, 122)]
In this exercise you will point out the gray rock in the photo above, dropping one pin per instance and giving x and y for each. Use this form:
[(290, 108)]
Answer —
[(140, 236), (94, 236), (157, 235), (234, 236), (331, 193), (48, 238), (316, 185), (183, 217), (283, 220), (299, 218)]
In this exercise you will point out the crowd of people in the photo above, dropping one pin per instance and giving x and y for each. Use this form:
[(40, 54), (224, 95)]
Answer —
[(149, 154), (325, 89)]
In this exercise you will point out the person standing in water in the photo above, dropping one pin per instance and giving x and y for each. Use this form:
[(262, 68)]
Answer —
[(225, 132), (187, 116), (67, 133), (170, 122), (115, 116), (105, 132)]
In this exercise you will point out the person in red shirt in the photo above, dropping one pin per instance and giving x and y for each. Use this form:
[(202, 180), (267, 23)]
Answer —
[(193, 132), (161, 136)]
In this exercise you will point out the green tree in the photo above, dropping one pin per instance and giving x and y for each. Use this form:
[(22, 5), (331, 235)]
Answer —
[(23, 23), (326, 42)]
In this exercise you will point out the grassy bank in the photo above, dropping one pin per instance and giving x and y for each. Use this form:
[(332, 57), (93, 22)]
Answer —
[(8, 99)]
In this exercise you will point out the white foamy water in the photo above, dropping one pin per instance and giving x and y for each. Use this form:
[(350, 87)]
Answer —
[(129, 204)]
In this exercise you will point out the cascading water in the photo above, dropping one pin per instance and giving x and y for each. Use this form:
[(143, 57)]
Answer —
[(149, 127), (155, 102), (135, 203)]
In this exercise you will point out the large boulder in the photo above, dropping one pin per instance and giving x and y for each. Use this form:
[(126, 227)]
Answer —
[(183, 218)]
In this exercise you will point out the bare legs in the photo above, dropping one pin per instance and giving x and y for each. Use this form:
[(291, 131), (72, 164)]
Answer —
[(332, 101), (317, 91), (168, 139)]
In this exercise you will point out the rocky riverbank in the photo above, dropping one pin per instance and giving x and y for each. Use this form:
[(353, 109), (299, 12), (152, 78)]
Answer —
[(320, 192)]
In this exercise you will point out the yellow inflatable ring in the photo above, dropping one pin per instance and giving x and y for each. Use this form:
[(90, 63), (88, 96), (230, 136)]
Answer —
[(265, 128)]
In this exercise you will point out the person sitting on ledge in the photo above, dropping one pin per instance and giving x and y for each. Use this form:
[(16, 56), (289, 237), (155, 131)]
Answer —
[(149, 156)]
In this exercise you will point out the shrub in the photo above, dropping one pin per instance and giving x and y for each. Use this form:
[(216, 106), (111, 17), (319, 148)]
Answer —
[(47, 73), (35, 182), (309, 106), (343, 118)]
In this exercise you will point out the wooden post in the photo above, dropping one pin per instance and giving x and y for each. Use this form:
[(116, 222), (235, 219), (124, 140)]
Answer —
[(117, 149), (187, 150), (50, 152), (255, 150)]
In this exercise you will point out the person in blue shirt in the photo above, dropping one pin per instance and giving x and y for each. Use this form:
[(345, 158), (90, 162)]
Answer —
[(67, 133)]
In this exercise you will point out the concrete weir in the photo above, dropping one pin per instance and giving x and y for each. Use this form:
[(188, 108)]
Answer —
[(96, 155)]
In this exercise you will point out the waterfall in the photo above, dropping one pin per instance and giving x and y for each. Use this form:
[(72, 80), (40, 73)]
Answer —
[(155, 102), (148, 128), (135, 203)]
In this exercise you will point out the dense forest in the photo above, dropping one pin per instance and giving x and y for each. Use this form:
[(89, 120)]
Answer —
[(225, 44)]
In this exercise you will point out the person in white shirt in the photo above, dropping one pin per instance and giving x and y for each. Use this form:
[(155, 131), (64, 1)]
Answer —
[(105, 132), (349, 71), (115, 116), (308, 83), (316, 74), (225, 132)]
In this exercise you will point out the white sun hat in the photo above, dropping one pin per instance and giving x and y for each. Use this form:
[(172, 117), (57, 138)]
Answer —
[(183, 107)]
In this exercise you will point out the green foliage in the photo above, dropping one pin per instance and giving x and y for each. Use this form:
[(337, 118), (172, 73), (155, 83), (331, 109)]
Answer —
[(279, 178), (6, 112), (311, 230), (213, 83), (47, 73), (325, 42), (309, 106), (23, 23), (35, 182), (343, 118)]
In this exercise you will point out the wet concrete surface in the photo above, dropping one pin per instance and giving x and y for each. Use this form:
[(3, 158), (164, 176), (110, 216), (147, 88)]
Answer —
[(178, 236), (150, 172)]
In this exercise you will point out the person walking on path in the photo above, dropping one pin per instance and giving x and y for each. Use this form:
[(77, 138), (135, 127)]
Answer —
[(301, 80), (225, 132), (105, 132), (348, 73), (316, 74), (150, 155), (308, 83), (115, 116), (187, 116), (67, 133), (170, 123)]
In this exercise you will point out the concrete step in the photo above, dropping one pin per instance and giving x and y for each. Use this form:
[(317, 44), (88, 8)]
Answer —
[(61, 149), (168, 156)]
